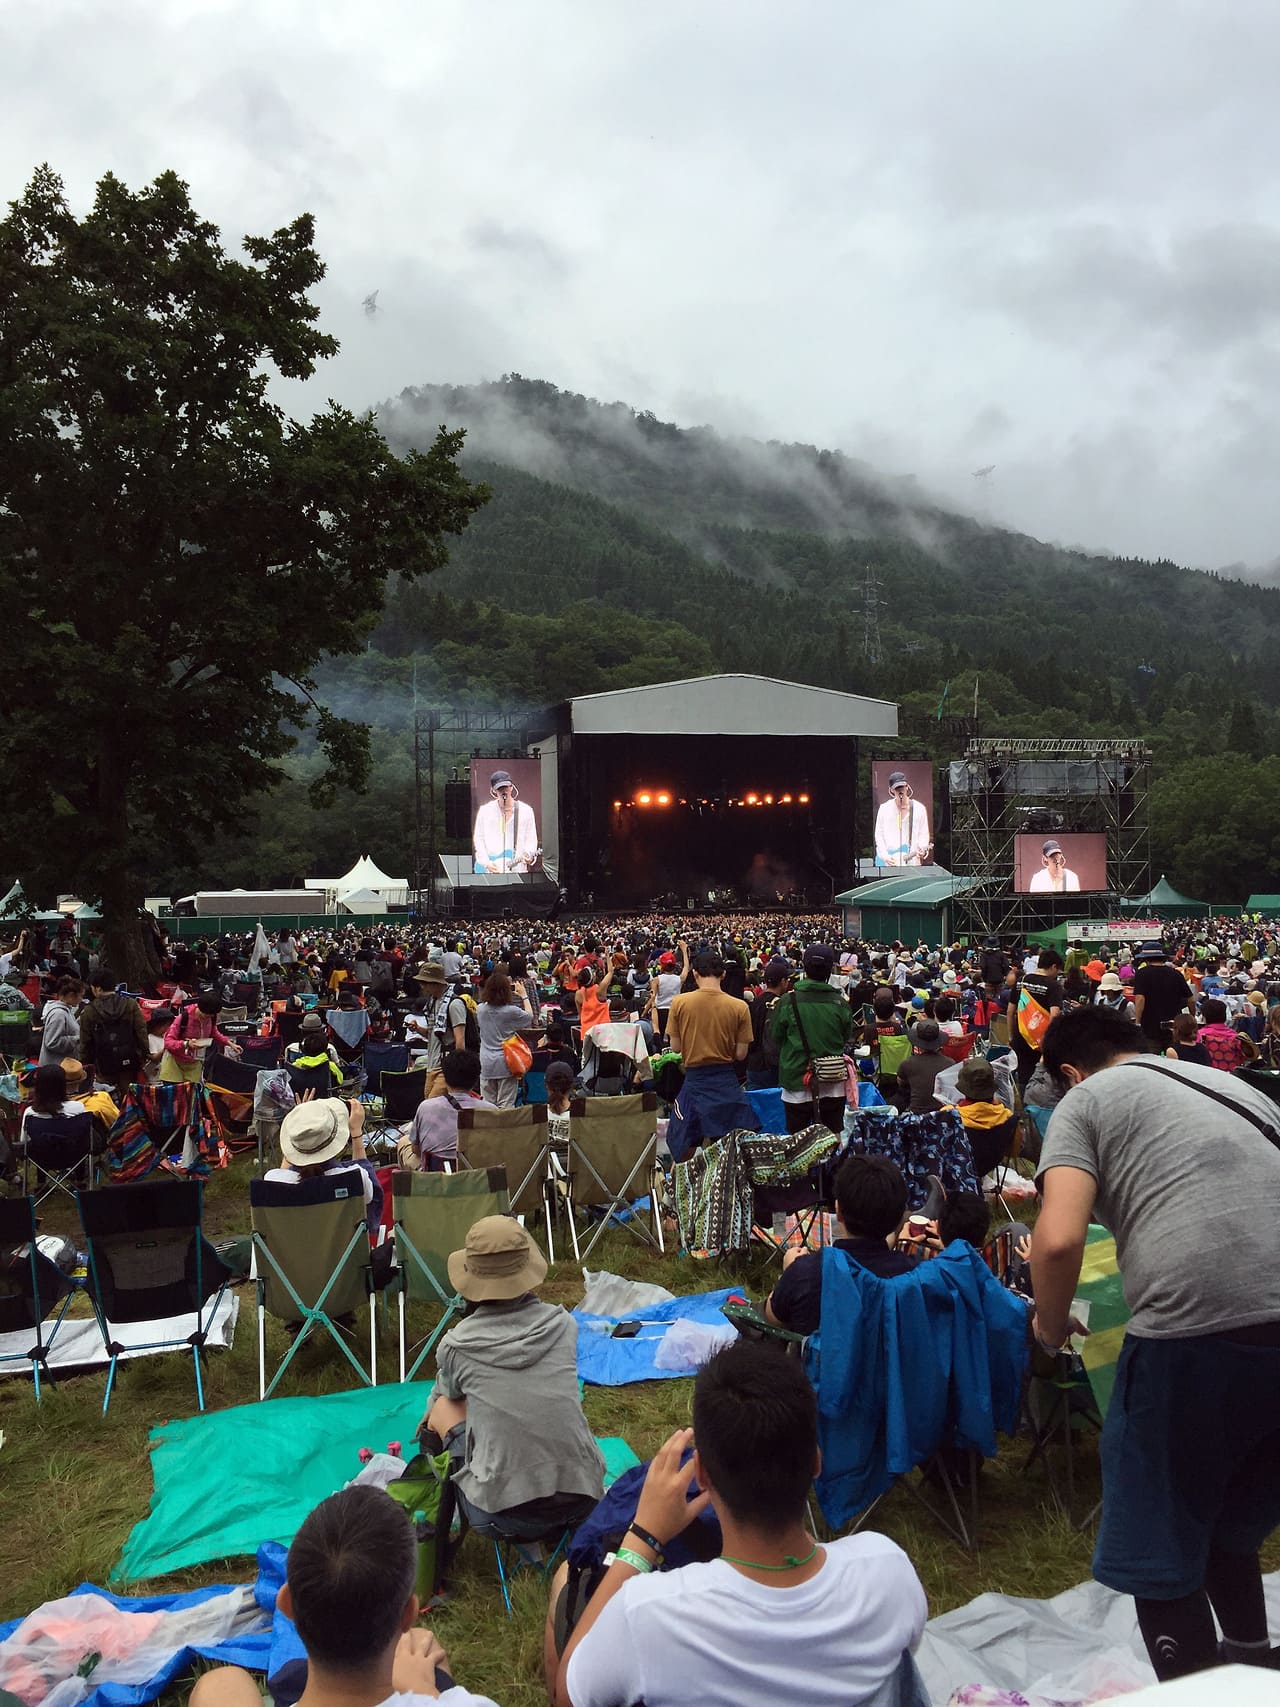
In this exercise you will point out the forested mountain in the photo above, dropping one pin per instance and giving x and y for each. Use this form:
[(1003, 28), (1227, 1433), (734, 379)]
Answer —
[(618, 549)]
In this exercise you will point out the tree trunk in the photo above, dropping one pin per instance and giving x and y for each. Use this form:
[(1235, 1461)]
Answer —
[(129, 950)]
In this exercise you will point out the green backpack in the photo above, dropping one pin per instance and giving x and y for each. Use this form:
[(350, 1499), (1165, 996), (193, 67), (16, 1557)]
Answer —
[(426, 1492)]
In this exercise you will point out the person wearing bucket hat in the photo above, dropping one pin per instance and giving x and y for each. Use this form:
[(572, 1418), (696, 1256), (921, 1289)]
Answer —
[(436, 1026), (902, 826), (313, 1049), (1111, 995), (918, 1074), (505, 835), (505, 1404)]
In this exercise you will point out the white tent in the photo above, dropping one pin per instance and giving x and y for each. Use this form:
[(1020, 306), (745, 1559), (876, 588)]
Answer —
[(362, 901), (363, 879)]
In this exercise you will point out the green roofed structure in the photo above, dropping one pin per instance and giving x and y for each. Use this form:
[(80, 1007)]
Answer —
[(1164, 902), (908, 907)]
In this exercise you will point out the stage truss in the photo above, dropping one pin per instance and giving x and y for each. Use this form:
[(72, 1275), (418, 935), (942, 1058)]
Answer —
[(1007, 786)]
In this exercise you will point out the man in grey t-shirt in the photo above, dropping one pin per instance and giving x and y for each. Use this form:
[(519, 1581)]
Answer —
[(1176, 1160)]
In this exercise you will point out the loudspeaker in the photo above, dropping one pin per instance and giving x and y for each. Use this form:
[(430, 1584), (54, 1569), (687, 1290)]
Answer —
[(457, 809)]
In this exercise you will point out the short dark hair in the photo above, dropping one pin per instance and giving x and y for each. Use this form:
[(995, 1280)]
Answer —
[(755, 1425), (351, 1571), (1048, 957), (708, 964), (965, 1216), (103, 979), (1214, 1010), (884, 1002), (943, 1008), (1089, 1038), (461, 1069), (871, 1196)]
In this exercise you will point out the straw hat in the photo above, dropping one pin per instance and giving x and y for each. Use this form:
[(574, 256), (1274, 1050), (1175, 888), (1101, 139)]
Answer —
[(1110, 982), (73, 1070), (498, 1261), (315, 1132)]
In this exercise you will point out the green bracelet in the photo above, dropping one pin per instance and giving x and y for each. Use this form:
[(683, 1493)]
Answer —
[(637, 1561)]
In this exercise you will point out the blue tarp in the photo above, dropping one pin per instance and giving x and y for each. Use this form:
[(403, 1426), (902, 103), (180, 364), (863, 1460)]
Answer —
[(607, 1362)]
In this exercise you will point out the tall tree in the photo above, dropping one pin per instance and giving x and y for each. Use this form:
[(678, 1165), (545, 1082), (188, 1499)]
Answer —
[(175, 555)]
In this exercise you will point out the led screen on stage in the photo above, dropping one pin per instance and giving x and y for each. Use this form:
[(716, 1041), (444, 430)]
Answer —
[(902, 801), (1070, 864), (506, 816)]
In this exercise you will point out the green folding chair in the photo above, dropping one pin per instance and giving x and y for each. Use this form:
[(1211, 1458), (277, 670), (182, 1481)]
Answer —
[(432, 1215), (514, 1139), (893, 1052), (311, 1262), (613, 1159)]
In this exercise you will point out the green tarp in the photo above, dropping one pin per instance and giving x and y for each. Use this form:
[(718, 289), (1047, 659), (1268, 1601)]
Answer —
[(228, 1480)]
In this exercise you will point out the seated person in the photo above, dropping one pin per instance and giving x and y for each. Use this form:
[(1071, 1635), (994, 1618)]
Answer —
[(314, 1137), (919, 1072), (985, 1119), (50, 1097), (432, 1139), (349, 1589), (944, 1012), (1228, 1048), (314, 1050), (885, 1019), (560, 1088), (100, 1104), (871, 1201), (1185, 1045), (555, 1046), (505, 1404), (777, 1617)]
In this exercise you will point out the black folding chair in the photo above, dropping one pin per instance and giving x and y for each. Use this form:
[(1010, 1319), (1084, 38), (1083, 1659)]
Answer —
[(262, 1051), (288, 1025), (317, 1079), (380, 1058), (30, 1287), (58, 1150), (401, 1094), (149, 1261)]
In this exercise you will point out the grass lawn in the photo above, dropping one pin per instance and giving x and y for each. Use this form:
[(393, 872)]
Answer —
[(74, 1483)]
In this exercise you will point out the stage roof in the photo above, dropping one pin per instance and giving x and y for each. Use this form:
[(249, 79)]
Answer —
[(731, 705)]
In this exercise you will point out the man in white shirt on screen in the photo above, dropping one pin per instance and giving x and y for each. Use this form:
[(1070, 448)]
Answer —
[(1054, 878), (506, 830), (902, 827)]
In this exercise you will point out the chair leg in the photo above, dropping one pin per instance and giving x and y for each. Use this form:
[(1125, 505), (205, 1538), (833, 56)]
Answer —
[(402, 1332), (195, 1352), (502, 1577), (262, 1350), (373, 1339), (111, 1377)]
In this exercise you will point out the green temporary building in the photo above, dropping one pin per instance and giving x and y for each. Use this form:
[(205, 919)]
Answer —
[(910, 907), (1267, 905), (1164, 902)]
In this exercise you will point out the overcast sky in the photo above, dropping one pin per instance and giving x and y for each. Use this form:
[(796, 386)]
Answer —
[(937, 235)]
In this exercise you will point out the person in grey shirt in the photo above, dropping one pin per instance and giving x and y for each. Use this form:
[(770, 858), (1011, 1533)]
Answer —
[(1181, 1163)]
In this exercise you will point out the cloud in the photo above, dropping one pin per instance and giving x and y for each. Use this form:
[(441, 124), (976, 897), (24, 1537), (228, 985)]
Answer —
[(934, 236)]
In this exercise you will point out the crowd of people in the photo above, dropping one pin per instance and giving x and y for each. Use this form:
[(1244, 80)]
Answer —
[(1155, 1132)]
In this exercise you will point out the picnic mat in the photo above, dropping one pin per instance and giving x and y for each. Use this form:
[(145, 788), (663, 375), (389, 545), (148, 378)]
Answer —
[(606, 1362), (226, 1481), (1100, 1285)]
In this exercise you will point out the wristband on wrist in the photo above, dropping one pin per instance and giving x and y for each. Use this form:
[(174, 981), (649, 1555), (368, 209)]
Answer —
[(637, 1561), (650, 1541)]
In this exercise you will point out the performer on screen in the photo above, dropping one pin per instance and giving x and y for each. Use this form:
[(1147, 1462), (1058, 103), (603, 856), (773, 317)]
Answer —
[(505, 838), (1054, 879), (902, 827)]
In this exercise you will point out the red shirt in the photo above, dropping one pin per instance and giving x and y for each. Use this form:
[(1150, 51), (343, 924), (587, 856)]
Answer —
[(1224, 1046)]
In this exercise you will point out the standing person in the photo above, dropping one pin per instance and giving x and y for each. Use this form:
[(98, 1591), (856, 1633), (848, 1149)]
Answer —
[(902, 827), (1159, 992), (505, 837), (438, 1029), (113, 1032), (193, 1031), (993, 967), (812, 1020), (762, 1057), (1043, 986), (666, 985), (500, 1016), (712, 1034), (525, 984), (1191, 1445), (60, 1033)]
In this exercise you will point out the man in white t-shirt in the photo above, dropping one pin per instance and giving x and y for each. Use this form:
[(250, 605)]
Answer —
[(349, 1589), (776, 1617)]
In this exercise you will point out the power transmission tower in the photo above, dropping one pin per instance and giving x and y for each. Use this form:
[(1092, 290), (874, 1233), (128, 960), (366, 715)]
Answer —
[(871, 605)]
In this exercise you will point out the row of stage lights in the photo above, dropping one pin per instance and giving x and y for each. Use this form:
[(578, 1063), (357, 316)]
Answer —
[(661, 797)]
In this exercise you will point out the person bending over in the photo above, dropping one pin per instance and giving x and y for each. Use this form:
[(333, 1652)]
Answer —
[(776, 1617), (871, 1200), (506, 1405), (348, 1588)]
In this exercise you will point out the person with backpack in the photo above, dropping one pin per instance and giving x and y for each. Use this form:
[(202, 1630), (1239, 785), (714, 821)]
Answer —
[(439, 1024), (762, 1057), (113, 1032)]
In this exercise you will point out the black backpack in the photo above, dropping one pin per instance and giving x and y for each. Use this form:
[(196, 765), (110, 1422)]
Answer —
[(115, 1048)]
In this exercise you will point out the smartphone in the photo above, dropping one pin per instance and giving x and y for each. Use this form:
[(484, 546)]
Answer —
[(625, 1331)]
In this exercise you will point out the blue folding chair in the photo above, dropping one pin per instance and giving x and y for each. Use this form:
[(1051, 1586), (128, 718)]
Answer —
[(380, 1058), (30, 1287), (149, 1261), (56, 1150)]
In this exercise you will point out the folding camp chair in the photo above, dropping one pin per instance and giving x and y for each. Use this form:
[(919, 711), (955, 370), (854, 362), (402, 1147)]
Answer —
[(347, 1027), (311, 1261), (401, 1094), (288, 1025), (261, 1051), (149, 1261), (514, 1139), (30, 1287), (57, 1151), (15, 1034), (433, 1213), (958, 1048), (380, 1058), (613, 1159), (893, 1052), (318, 1079), (226, 1102)]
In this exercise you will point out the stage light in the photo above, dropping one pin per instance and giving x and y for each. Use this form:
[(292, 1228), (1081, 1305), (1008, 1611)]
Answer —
[(768, 800), (617, 806), (803, 799), (663, 799), (785, 800), (753, 800), (645, 799)]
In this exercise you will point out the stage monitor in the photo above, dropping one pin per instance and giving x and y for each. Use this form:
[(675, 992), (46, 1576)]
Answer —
[(1070, 864), (902, 800), (506, 817)]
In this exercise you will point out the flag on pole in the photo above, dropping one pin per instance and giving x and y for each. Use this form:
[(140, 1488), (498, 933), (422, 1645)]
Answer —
[(946, 694)]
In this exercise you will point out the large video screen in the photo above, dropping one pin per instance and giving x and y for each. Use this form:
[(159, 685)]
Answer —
[(1071, 864), (902, 801), (506, 816)]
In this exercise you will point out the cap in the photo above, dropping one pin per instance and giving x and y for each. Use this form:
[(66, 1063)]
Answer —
[(898, 779), (777, 970), (1050, 847), (501, 779), (818, 961)]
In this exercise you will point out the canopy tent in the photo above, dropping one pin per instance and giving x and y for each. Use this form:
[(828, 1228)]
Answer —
[(1268, 904), (364, 878), (362, 901), (1164, 902)]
